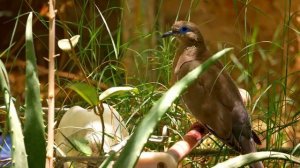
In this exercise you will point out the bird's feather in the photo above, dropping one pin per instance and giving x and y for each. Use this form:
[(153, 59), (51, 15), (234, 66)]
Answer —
[(213, 99)]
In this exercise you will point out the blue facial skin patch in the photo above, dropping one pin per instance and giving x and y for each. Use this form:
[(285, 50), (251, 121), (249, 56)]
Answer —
[(184, 30)]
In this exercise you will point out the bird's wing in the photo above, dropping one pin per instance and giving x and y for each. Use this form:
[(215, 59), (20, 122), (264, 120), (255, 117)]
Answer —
[(203, 103), (215, 101), (231, 100), (239, 108)]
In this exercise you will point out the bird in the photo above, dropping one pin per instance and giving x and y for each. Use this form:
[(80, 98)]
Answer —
[(213, 99)]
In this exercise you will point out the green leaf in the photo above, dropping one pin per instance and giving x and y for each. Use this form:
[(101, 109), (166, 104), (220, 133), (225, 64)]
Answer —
[(135, 144), (113, 91), (18, 152), (243, 160), (34, 132), (87, 92), (81, 145), (106, 162)]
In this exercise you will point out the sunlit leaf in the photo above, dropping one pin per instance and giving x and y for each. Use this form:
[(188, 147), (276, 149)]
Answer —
[(64, 44), (243, 160), (87, 92), (113, 91), (82, 145)]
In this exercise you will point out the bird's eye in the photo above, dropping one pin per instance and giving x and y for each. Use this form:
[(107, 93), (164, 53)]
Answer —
[(184, 29)]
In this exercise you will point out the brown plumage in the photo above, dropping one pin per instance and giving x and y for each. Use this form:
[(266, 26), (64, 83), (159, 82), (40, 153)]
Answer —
[(213, 99)]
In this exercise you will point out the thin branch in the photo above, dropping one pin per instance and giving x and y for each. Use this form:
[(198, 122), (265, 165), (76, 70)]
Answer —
[(51, 86), (45, 71)]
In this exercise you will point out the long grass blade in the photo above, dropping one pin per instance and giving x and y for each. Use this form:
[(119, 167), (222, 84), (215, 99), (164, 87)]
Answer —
[(135, 144), (243, 160), (109, 32)]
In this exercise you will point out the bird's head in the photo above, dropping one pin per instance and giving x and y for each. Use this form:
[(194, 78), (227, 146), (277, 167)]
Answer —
[(185, 32)]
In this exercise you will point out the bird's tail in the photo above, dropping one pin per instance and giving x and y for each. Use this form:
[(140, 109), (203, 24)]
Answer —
[(256, 138), (248, 146)]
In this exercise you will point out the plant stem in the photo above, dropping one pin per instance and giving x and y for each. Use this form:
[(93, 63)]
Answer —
[(51, 86), (100, 113)]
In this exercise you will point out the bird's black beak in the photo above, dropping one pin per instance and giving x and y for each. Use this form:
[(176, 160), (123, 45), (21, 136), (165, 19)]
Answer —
[(167, 34)]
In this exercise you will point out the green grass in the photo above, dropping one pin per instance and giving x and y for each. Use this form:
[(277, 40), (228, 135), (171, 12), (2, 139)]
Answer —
[(99, 59)]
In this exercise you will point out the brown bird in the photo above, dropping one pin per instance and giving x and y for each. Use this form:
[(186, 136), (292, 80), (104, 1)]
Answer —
[(213, 99)]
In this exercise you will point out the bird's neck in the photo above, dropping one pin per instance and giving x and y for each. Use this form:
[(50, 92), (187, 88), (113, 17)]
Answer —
[(188, 52), (193, 46)]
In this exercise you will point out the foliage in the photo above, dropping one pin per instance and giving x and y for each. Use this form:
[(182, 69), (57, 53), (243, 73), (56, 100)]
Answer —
[(18, 152), (244, 160), (13, 121), (135, 144), (87, 92), (34, 133), (261, 66)]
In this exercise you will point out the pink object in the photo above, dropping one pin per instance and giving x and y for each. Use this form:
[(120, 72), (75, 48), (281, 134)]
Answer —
[(176, 153)]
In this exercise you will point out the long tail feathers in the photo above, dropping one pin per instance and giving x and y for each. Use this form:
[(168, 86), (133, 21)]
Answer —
[(256, 138), (248, 146)]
